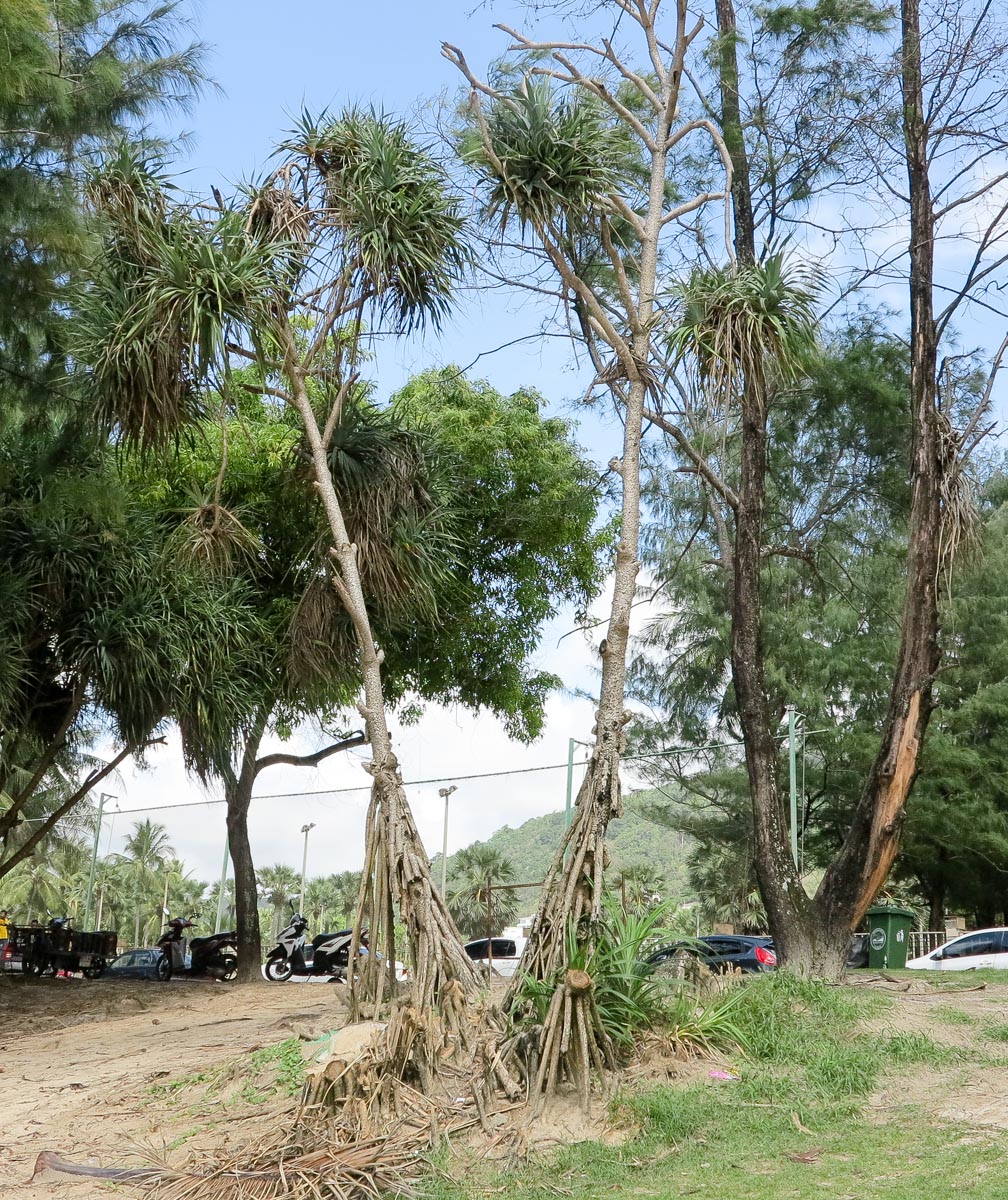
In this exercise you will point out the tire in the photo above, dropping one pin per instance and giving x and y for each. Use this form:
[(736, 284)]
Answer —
[(164, 970), (31, 965), (229, 966), (94, 971), (278, 970)]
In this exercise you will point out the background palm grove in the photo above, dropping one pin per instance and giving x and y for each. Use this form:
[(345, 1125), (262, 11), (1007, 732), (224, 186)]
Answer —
[(786, 453)]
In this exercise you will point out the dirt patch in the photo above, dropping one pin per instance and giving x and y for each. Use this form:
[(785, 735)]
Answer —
[(84, 1069)]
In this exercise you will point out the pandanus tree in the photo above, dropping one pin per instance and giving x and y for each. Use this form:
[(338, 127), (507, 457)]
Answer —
[(355, 223), (579, 163)]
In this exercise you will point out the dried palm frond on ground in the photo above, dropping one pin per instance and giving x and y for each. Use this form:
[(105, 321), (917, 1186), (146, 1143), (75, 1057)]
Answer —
[(354, 1170)]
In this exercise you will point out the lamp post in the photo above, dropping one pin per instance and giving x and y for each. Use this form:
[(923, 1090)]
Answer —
[(223, 885), (793, 780), (102, 797), (571, 743), (445, 793), (304, 863)]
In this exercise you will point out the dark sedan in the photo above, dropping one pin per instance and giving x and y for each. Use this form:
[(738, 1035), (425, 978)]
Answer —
[(138, 964), (717, 952)]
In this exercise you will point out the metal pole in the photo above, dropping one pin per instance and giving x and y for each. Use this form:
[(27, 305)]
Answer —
[(571, 743), (304, 864), (445, 793), (102, 797), (793, 777), (223, 885)]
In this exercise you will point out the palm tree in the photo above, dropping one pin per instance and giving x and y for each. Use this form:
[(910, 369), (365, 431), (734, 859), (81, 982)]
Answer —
[(643, 888), (146, 850), (478, 900), (278, 885)]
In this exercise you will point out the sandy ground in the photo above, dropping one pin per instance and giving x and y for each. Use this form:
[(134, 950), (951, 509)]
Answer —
[(78, 1062), (85, 1069)]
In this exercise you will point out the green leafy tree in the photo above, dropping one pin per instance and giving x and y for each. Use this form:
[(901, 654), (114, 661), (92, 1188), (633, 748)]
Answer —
[(75, 78)]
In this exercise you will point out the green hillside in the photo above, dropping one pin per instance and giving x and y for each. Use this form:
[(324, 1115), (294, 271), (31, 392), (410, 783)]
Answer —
[(633, 841)]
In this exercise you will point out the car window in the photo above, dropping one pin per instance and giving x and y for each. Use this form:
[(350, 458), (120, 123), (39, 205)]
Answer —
[(970, 947), (1001, 941), (128, 960), (503, 948), (477, 949), (144, 958), (725, 945)]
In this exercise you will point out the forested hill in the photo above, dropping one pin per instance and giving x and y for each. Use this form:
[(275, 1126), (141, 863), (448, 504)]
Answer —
[(633, 841)]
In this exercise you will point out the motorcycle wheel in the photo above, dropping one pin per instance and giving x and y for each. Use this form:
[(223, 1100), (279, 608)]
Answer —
[(229, 966), (164, 968), (278, 970)]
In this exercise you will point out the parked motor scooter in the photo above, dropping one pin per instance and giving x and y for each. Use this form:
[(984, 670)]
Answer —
[(328, 953), (215, 955)]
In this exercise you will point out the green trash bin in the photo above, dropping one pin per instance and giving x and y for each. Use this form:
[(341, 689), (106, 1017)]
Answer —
[(888, 936)]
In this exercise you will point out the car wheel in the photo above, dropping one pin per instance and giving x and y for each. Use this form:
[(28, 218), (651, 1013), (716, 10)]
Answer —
[(279, 970), (229, 965), (164, 970), (31, 965), (95, 970)]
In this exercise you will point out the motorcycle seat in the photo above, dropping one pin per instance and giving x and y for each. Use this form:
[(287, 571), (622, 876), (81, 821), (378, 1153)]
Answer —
[(214, 937), (319, 938)]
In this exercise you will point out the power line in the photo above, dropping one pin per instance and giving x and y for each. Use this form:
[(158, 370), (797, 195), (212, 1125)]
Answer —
[(675, 752)]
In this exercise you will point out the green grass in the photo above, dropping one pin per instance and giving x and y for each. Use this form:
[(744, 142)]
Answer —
[(997, 1032), (805, 1076), (952, 1016), (724, 1151), (264, 1073)]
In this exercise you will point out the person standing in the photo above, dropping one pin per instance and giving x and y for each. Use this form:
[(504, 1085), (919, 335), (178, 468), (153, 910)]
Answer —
[(5, 925)]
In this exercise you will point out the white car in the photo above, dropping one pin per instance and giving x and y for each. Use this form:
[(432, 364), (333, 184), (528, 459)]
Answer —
[(968, 952), (500, 955)]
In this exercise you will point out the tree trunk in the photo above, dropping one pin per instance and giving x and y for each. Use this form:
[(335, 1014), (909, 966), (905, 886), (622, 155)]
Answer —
[(858, 873), (238, 793), (397, 872), (936, 906), (573, 1041), (812, 936)]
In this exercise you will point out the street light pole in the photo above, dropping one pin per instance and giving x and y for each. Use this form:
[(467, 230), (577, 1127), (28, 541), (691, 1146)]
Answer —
[(793, 780), (445, 793), (304, 863), (223, 885), (571, 743), (102, 797)]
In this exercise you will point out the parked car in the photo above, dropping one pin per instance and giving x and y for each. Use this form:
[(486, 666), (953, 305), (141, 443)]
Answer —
[(501, 955), (718, 952), (139, 964), (981, 948)]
